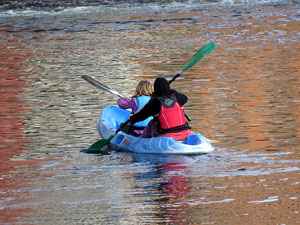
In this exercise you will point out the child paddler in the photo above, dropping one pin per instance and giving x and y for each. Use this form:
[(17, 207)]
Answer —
[(142, 95)]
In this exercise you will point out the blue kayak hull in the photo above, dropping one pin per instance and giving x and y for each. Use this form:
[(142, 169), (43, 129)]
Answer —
[(112, 116)]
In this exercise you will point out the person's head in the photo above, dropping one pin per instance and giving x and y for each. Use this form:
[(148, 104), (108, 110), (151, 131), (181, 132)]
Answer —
[(161, 87), (144, 88)]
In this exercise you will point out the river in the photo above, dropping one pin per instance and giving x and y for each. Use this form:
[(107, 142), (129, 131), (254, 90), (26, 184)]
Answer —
[(244, 96)]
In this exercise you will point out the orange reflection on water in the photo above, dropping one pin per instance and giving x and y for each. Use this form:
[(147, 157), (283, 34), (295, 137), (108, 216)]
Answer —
[(13, 141)]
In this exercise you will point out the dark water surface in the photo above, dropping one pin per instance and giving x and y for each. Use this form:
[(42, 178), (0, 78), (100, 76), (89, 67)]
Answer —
[(244, 95)]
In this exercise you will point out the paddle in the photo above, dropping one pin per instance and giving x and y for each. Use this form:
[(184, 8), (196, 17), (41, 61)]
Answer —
[(206, 49), (98, 145), (100, 85)]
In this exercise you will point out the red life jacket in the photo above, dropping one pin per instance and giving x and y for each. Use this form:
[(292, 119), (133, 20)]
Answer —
[(171, 116)]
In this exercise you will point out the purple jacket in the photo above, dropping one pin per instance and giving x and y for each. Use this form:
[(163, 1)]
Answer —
[(132, 104)]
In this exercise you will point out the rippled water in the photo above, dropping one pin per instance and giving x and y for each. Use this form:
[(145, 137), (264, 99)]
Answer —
[(244, 95)]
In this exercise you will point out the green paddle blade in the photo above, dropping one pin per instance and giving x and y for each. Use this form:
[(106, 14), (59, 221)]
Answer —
[(206, 49), (98, 145)]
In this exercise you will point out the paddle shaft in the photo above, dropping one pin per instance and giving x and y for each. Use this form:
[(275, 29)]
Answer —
[(121, 127), (175, 77), (100, 85)]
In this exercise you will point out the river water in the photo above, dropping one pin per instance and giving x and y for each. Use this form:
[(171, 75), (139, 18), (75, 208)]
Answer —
[(244, 96)]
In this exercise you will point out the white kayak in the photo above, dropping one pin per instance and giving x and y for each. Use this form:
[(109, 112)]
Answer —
[(112, 116)]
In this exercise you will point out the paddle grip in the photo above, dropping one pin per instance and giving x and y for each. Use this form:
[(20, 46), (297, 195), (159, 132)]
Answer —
[(122, 126)]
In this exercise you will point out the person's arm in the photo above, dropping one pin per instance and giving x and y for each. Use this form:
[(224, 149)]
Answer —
[(125, 103), (150, 109), (181, 98)]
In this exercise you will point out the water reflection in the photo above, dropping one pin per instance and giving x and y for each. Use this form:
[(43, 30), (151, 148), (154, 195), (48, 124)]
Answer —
[(13, 121), (165, 185), (244, 95)]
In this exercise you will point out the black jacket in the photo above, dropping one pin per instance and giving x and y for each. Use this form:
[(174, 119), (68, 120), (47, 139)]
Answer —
[(152, 108)]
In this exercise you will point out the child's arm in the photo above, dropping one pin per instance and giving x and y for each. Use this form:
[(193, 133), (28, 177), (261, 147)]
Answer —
[(125, 103)]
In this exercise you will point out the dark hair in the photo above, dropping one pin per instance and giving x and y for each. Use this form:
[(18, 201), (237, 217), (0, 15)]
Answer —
[(161, 87), (165, 95)]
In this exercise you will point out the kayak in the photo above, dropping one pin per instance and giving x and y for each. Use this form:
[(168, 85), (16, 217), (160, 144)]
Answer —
[(111, 118)]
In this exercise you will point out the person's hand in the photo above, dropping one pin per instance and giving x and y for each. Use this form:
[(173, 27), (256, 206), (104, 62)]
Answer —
[(130, 117)]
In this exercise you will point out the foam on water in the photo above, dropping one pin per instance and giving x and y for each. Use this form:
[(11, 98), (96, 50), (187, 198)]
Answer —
[(31, 9)]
